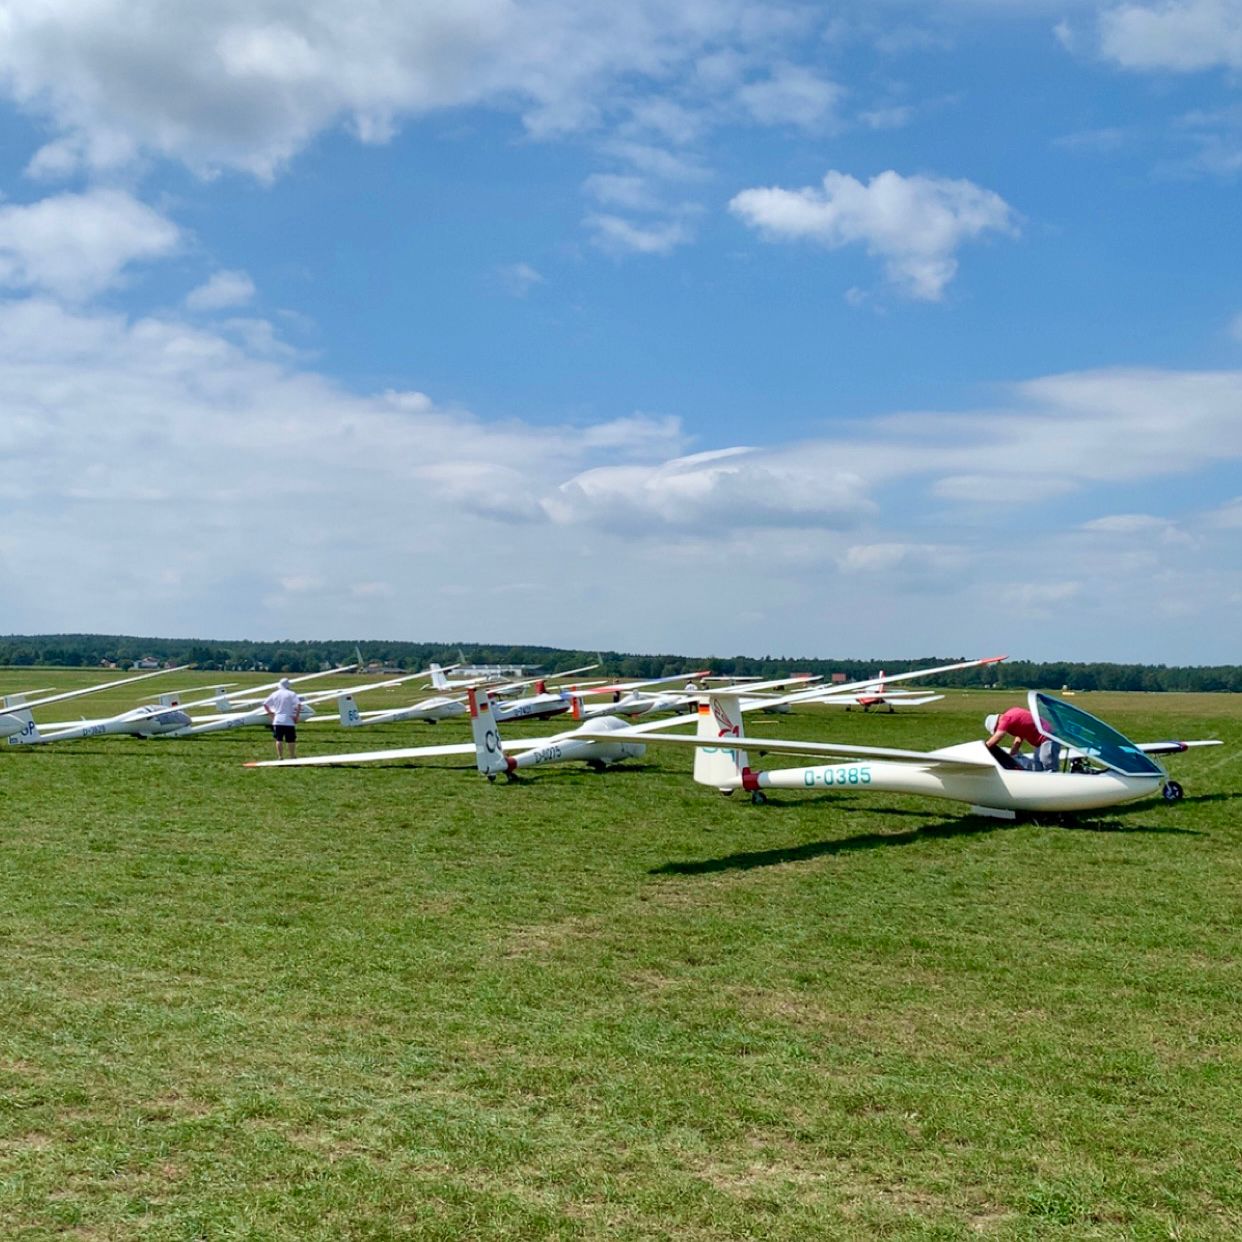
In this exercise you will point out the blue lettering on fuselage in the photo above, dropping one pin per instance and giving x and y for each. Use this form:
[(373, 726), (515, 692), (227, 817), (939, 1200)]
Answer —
[(838, 775)]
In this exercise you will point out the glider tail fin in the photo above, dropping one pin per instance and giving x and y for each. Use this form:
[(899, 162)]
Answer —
[(29, 731), (348, 708), (438, 679), (720, 716), (489, 754)]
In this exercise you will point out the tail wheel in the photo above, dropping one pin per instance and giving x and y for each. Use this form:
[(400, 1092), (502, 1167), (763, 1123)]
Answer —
[(759, 798), (1172, 791)]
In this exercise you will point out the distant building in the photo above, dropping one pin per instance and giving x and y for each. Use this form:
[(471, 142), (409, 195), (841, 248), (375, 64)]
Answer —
[(839, 679), (493, 671), (146, 664)]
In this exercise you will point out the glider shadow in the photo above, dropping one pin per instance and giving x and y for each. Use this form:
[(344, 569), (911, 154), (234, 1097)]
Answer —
[(960, 826), (965, 826)]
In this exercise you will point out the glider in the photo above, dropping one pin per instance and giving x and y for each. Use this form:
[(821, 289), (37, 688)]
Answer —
[(539, 706), (491, 756), (597, 742), (15, 719), (878, 694), (250, 711), (1107, 768)]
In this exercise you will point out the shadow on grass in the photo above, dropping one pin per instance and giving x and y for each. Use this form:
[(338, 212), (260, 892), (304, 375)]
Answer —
[(1079, 823), (1212, 797), (404, 765), (964, 826), (960, 826)]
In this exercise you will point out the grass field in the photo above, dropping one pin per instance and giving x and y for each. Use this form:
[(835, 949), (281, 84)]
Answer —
[(397, 1002)]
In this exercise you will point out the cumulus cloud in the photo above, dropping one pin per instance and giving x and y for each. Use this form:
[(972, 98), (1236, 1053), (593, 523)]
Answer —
[(248, 86), (718, 490), (1177, 35), (77, 245), (146, 459), (915, 225)]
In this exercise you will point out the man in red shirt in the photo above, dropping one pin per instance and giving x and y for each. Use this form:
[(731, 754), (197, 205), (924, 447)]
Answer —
[(1020, 725)]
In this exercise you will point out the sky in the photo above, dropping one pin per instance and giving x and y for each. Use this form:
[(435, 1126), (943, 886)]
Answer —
[(707, 327)]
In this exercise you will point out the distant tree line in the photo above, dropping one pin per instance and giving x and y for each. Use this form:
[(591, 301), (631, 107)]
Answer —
[(97, 650)]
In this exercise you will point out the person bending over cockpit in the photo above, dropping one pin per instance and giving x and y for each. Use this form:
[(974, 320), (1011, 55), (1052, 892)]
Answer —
[(1020, 725)]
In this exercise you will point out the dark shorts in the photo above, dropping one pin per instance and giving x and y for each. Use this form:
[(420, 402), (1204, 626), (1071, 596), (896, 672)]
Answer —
[(285, 733)]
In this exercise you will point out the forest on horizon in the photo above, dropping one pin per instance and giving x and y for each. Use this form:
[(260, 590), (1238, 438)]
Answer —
[(303, 656)]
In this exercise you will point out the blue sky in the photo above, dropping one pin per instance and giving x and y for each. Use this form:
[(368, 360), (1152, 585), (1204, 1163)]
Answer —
[(715, 327)]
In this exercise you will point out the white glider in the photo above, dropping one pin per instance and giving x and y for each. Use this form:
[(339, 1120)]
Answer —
[(16, 718), (877, 694), (19, 728), (491, 756), (1111, 769), (539, 706), (256, 714), (589, 741)]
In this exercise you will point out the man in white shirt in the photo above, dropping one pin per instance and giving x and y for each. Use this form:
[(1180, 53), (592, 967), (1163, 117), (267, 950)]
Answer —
[(284, 709)]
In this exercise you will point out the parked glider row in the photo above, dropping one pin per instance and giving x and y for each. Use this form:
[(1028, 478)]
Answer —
[(174, 715), (1102, 767), (171, 715)]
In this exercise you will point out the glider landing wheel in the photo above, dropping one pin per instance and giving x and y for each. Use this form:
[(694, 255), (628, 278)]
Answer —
[(1172, 791), (758, 798)]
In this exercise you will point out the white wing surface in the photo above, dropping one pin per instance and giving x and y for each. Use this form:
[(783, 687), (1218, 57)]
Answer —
[(954, 758)]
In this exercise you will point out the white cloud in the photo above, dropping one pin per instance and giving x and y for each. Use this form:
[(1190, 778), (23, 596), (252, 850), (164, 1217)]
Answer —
[(886, 559), (791, 95), (221, 290), (1140, 529), (247, 86), (622, 190), (77, 245), (628, 236), (148, 462), (1001, 487), (1127, 524), (723, 490), (914, 224), (1179, 35), (1228, 516), (894, 117), (1042, 600), (518, 279), (372, 590)]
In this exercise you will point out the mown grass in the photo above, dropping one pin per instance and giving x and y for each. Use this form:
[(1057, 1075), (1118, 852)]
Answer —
[(398, 1002)]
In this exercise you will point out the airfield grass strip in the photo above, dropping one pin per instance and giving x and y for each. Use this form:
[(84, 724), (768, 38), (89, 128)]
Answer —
[(403, 1003)]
